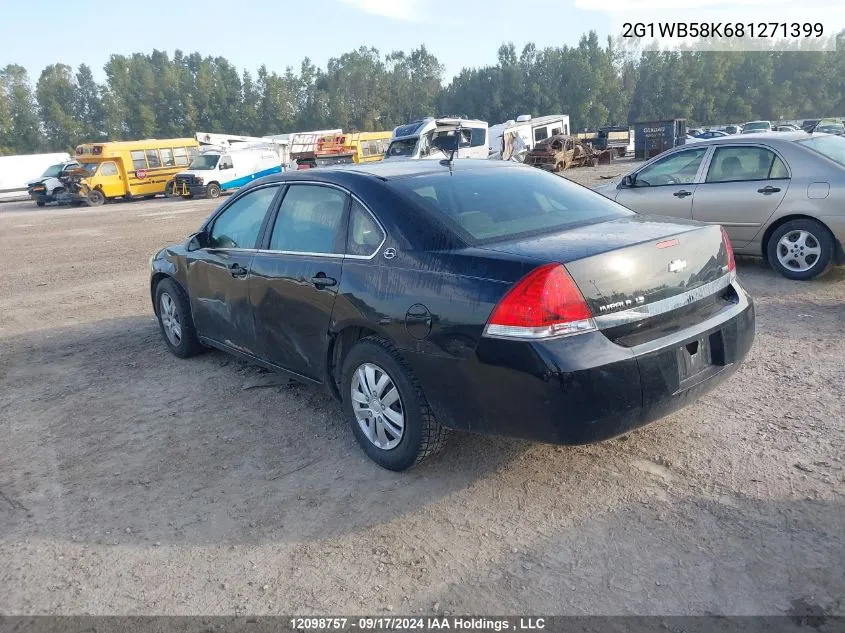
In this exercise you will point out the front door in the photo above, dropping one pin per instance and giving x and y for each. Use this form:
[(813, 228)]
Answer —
[(111, 180), (666, 186), (295, 278), (218, 275), (743, 188)]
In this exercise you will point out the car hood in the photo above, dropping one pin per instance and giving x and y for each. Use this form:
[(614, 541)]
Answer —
[(607, 188)]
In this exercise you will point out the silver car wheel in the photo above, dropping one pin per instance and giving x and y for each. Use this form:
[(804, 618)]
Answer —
[(169, 315), (799, 251), (378, 407)]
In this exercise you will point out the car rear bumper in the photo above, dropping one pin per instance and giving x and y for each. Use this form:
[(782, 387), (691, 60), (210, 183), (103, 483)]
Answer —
[(584, 388)]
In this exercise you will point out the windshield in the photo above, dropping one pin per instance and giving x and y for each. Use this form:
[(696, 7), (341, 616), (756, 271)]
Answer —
[(496, 204), (52, 171), (831, 146), (91, 168), (403, 147), (204, 161), (756, 125), (830, 128)]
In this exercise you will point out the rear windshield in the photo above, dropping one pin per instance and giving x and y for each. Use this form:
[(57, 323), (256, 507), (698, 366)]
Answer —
[(499, 204), (831, 146)]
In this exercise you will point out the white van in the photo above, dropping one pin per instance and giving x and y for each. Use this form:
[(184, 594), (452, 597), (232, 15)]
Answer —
[(514, 137), (216, 169), (434, 139)]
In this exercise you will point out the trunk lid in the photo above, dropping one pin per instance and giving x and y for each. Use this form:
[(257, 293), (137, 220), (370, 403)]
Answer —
[(634, 261)]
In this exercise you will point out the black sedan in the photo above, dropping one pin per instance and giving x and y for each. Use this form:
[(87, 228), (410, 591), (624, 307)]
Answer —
[(482, 296)]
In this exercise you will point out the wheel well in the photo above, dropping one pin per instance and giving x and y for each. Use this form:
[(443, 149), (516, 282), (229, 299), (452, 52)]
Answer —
[(764, 243), (339, 347), (156, 278)]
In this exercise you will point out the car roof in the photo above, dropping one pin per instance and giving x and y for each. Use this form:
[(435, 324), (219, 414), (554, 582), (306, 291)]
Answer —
[(752, 138), (392, 169)]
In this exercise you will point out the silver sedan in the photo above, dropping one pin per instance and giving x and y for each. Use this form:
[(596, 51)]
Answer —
[(781, 195)]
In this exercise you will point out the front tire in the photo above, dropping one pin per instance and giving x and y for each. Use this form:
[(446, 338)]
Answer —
[(387, 409), (213, 190), (174, 318), (96, 198), (800, 249)]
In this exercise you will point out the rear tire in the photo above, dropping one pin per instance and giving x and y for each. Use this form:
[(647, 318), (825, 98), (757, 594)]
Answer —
[(800, 249), (96, 198), (420, 435), (212, 190), (173, 310)]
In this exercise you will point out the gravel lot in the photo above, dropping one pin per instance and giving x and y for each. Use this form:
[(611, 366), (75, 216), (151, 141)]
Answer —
[(132, 482)]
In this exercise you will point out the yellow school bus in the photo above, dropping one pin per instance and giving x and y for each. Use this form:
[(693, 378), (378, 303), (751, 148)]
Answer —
[(133, 168), (355, 147)]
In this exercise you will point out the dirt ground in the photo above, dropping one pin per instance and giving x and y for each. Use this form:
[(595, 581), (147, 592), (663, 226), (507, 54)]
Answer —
[(132, 482)]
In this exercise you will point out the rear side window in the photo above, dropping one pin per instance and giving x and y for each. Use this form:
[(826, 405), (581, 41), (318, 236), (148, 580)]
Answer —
[(501, 203), (736, 164), (310, 220), (139, 160), (541, 133), (365, 235)]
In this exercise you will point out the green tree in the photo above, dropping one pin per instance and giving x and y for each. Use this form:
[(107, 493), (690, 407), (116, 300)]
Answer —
[(57, 93), (22, 132)]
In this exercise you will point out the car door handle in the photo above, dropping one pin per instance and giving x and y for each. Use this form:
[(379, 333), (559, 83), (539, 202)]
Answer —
[(683, 193), (238, 271), (321, 281), (768, 190)]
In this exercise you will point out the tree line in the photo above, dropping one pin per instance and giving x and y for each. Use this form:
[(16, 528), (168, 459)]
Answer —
[(614, 82)]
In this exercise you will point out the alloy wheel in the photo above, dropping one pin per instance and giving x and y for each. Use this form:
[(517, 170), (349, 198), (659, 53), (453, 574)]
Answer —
[(798, 250), (169, 315)]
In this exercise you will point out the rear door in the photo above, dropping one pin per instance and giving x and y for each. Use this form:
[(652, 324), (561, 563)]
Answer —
[(218, 275), (743, 187), (667, 186), (295, 277)]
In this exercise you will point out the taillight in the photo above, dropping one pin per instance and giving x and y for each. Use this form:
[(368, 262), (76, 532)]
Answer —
[(729, 249), (545, 303)]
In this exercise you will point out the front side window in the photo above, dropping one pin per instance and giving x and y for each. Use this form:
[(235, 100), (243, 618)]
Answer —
[(403, 147), (677, 169), (732, 164), (139, 160), (167, 159), (494, 204), (239, 225), (204, 162), (108, 169), (310, 220), (180, 156), (365, 235)]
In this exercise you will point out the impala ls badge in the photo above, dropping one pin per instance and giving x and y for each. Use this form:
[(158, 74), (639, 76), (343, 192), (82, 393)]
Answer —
[(677, 265)]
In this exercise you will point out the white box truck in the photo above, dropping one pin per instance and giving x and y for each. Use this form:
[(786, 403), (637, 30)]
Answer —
[(17, 171)]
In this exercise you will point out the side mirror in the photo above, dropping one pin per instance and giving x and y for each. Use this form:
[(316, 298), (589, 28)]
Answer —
[(628, 181), (197, 241)]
